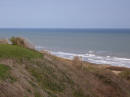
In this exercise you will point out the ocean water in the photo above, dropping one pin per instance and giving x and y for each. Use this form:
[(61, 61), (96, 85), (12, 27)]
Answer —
[(101, 46)]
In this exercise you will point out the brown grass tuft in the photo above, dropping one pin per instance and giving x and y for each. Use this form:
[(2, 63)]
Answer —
[(77, 61)]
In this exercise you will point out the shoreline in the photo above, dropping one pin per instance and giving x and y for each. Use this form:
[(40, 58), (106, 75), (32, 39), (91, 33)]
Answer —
[(90, 56), (93, 58)]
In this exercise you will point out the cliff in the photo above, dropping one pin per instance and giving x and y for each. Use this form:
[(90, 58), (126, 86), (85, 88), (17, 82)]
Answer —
[(28, 73)]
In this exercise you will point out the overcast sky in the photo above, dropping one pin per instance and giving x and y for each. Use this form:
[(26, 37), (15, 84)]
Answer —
[(65, 13)]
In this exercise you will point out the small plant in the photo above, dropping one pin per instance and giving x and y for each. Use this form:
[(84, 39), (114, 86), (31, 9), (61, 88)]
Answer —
[(29, 90)]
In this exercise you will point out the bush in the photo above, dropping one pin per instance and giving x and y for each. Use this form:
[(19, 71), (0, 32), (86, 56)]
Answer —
[(21, 42)]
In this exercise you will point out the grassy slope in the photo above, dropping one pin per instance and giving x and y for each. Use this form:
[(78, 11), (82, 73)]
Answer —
[(50, 76), (13, 51)]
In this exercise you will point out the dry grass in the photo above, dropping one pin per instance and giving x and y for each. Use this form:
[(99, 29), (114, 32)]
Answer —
[(4, 41), (77, 61), (125, 74)]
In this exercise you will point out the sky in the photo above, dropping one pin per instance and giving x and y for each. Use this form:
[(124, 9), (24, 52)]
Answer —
[(64, 13)]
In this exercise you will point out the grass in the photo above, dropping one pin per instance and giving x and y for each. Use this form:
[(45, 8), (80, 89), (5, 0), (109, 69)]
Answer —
[(49, 77), (90, 68), (50, 94), (79, 93), (4, 72), (29, 90), (46, 81), (125, 74), (57, 78), (13, 51), (37, 94)]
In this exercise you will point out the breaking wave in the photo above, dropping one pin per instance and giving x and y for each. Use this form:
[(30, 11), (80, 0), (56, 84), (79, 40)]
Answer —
[(93, 58)]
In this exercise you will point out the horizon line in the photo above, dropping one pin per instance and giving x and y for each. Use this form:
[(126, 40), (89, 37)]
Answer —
[(56, 28)]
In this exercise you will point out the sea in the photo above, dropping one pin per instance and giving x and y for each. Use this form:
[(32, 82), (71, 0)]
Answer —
[(100, 46)]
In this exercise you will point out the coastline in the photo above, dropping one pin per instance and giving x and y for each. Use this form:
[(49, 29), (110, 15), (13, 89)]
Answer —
[(56, 74), (92, 58)]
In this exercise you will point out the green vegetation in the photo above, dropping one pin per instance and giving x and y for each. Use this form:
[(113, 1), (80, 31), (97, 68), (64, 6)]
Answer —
[(4, 72), (79, 93), (37, 94), (91, 69), (19, 41), (125, 74), (46, 78), (51, 94), (13, 51), (105, 77), (51, 76)]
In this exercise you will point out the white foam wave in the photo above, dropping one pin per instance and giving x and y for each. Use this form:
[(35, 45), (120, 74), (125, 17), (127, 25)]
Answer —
[(116, 61), (93, 58)]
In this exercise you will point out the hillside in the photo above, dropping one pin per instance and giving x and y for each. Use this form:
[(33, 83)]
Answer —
[(29, 73)]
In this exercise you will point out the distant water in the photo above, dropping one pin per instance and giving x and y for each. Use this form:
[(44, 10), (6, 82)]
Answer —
[(102, 46)]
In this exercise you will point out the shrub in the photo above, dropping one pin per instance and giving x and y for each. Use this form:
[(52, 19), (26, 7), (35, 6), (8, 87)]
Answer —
[(21, 42)]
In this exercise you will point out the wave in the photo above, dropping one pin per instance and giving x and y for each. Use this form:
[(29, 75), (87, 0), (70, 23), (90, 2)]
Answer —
[(93, 58)]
